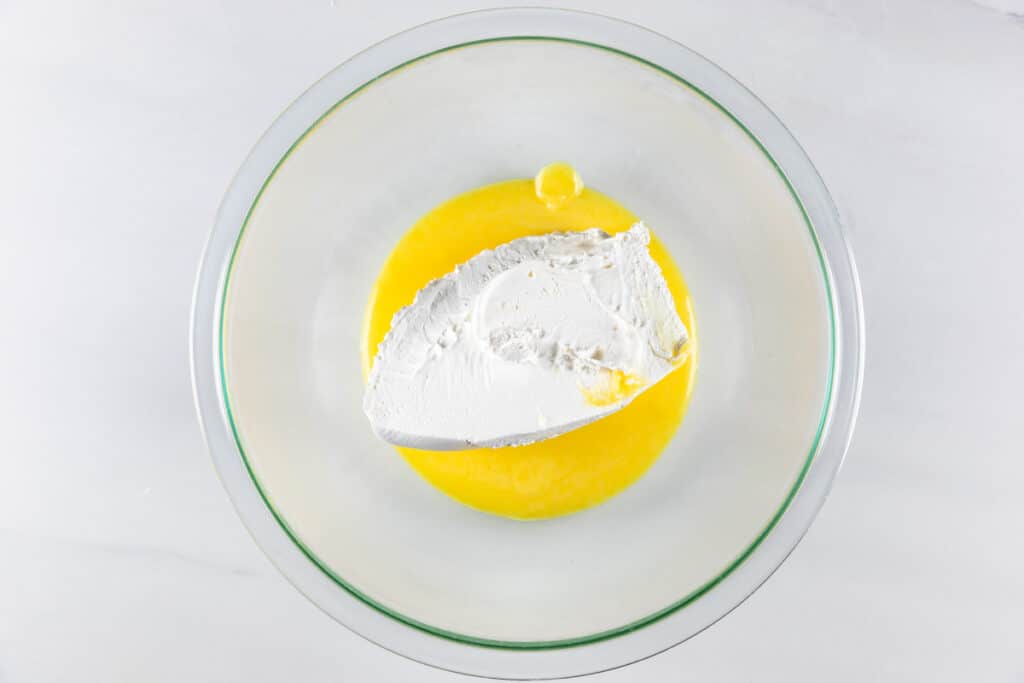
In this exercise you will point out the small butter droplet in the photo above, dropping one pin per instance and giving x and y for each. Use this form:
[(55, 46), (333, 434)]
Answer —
[(556, 184)]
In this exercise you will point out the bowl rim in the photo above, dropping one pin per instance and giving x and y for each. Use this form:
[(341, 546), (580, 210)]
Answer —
[(610, 648)]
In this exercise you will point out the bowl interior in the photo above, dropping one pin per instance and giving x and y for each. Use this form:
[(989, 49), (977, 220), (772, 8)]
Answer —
[(452, 121)]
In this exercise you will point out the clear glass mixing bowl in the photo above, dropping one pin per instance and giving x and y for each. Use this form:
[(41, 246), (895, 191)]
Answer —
[(447, 107)]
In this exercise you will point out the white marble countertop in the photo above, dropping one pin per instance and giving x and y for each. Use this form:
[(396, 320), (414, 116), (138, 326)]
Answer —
[(122, 124)]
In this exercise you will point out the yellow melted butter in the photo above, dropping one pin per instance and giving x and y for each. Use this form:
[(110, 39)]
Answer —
[(580, 468), (556, 184)]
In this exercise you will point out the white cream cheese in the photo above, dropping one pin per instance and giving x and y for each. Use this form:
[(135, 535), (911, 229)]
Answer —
[(526, 341)]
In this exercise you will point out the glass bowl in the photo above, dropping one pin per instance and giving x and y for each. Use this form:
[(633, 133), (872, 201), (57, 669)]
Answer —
[(447, 107)]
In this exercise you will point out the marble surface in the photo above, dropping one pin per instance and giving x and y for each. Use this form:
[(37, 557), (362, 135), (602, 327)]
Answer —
[(122, 124)]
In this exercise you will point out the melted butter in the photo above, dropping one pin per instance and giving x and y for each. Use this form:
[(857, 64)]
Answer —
[(583, 467), (556, 184)]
